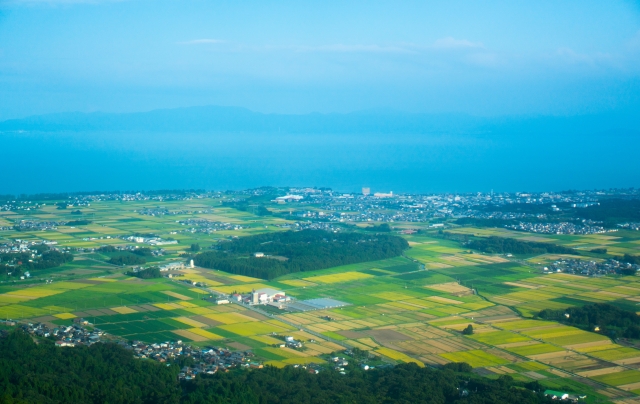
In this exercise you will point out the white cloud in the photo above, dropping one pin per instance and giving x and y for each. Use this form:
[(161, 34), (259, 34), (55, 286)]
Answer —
[(452, 43), (201, 41)]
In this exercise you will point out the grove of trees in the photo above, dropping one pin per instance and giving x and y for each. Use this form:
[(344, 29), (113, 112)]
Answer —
[(305, 250), (609, 319), (501, 245), (127, 259), (147, 273)]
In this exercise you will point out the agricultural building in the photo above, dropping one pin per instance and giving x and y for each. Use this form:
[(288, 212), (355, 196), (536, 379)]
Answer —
[(267, 295), (556, 395)]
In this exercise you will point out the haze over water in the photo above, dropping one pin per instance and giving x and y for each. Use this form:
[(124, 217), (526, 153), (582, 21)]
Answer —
[(77, 161)]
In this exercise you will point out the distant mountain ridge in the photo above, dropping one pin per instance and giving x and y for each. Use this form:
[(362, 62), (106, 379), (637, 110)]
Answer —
[(236, 119)]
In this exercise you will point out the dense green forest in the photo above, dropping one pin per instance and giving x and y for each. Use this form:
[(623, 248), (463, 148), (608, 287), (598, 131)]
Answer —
[(108, 373), (127, 259), (102, 373), (406, 384), (500, 245), (148, 273), (611, 320), (305, 250)]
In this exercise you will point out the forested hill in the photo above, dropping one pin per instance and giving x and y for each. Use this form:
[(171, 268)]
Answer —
[(296, 251), (107, 373)]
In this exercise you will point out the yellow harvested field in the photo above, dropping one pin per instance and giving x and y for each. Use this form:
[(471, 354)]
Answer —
[(204, 333), (368, 342), (243, 278), (64, 316), (189, 335), (603, 371), (168, 306), (265, 339), (230, 318), (4, 299), (123, 310), (450, 287), (594, 346), (302, 361), (200, 291), (176, 295), (34, 293), (192, 323), (336, 278), (390, 353), (188, 305), (200, 310), (441, 299), (246, 288), (298, 283), (103, 279), (190, 271), (319, 348), (280, 324)]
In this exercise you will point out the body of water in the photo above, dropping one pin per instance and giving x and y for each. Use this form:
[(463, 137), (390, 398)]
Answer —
[(35, 162)]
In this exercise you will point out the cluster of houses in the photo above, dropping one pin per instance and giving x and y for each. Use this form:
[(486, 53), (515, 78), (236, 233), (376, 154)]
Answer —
[(562, 396), (589, 268), (155, 241), (20, 246), (159, 211), (19, 205), (339, 364), (309, 225), (206, 226), (630, 225), (66, 336), (560, 228), (206, 360), (37, 225)]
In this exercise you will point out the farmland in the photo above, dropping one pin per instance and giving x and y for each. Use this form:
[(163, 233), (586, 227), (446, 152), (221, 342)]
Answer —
[(407, 308)]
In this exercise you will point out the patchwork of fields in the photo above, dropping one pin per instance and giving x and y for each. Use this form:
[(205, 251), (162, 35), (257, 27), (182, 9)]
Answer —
[(405, 309)]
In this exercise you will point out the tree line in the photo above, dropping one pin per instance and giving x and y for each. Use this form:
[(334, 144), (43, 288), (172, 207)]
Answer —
[(297, 251), (108, 373), (501, 245)]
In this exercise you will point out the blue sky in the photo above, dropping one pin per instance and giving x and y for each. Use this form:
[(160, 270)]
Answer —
[(483, 58)]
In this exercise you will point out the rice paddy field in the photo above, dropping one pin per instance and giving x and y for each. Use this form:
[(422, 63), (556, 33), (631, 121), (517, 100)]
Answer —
[(411, 308)]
